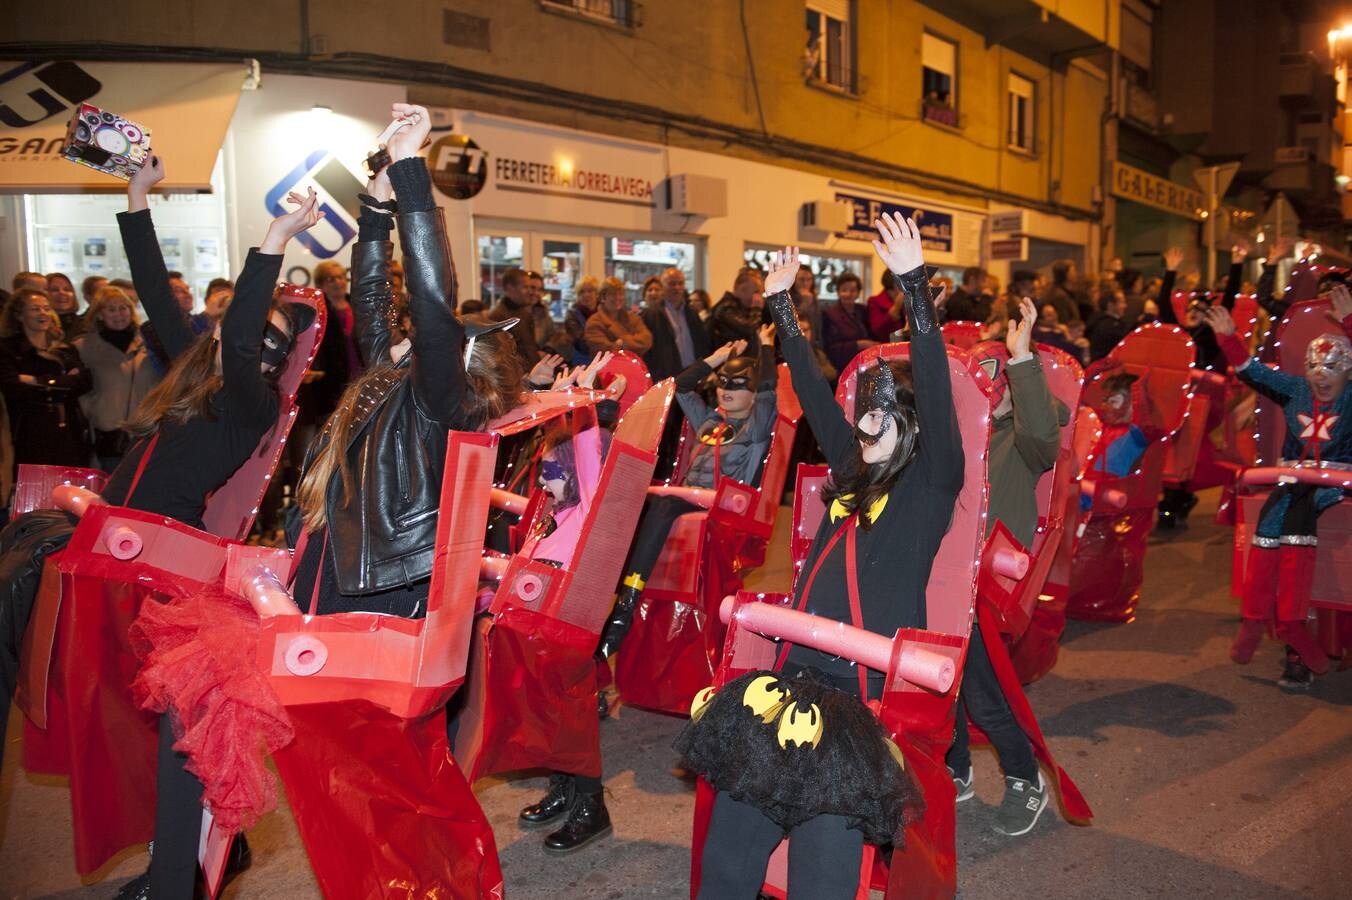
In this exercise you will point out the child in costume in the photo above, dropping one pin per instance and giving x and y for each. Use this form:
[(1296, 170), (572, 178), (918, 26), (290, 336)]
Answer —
[(1318, 412), (732, 440), (1122, 442), (1025, 439), (796, 752)]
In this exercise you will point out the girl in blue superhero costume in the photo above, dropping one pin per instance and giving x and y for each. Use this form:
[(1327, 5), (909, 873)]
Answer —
[(1318, 412)]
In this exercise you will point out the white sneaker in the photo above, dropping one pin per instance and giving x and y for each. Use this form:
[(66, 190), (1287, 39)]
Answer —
[(963, 785)]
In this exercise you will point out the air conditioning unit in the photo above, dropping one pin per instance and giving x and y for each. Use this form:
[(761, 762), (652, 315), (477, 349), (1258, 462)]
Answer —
[(697, 195), (821, 218)]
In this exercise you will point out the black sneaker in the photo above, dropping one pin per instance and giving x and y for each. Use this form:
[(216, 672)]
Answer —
[(1022, 805), (1296, 677)]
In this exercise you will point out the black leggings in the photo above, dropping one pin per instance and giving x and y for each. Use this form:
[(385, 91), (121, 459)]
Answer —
[(654, 527), (985, 702), (178, 822), (824, 855)]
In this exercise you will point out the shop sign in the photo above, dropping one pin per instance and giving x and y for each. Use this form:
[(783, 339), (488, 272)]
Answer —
[(1130, 183), (1010, 222), (565, 177), (1009, 248), (337, 189), (936, 228), (459, 167)]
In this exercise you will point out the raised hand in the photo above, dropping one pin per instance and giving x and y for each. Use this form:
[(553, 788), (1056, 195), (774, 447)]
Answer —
[(1019, 337), (1218, 317), (586, 375), (406, 142), (783, 270), (543, 372), (1173, 258), (283, 228), (616, 387), (766, 335), (1239, 252), (564, 379), (899, 243), (724, 353), (1341, 299), (1280, 248), (141, 184)]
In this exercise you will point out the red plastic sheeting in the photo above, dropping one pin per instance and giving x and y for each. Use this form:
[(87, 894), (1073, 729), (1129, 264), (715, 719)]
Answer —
[(95, 734), (1035, 653), (382, 808), (532, 689), (673, 649), (1109, 564)]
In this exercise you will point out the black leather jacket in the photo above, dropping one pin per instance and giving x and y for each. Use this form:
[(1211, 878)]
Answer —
[(384, 537)]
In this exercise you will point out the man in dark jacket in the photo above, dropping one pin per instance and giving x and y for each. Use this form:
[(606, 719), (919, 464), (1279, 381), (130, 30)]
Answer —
[(971, 302), (1110, 326), (1024, 442), (516, 303), (737, 316), (679, 337)]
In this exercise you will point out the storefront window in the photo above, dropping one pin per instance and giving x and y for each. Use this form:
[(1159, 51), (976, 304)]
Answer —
[(824, 268), (561, 265), (497, 254), (635, 260), (77, 235)]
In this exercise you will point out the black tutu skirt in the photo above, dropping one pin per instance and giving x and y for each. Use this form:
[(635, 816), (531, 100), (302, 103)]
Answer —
[(851, 769)]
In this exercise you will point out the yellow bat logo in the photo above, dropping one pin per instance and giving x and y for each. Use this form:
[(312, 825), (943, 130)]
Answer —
[(802, 727), (700, 702), (765, 696)]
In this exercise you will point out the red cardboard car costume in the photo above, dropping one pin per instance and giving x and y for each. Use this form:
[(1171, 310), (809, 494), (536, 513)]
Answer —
[(532, 686), (74, 685), (1108, 564), (1319, 580), (676, 639)]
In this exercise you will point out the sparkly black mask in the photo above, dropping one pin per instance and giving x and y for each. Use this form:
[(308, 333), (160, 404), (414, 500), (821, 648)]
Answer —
[(875, 389), (276, 346)]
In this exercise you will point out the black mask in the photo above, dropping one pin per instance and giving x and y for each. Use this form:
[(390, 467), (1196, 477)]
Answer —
[(875, 389), (276, 346)]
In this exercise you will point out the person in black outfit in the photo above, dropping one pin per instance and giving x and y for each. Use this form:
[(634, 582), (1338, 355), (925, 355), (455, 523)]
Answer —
[(215, 404), (371, 486), (1177, 502), (680, 338), (42, 380), (1110, 326), (897, 474)]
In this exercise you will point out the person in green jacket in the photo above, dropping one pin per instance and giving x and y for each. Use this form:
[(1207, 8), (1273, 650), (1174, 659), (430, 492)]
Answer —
[(1025, 439)]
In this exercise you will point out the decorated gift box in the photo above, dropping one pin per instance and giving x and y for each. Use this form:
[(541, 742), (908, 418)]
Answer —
[(107, 142)]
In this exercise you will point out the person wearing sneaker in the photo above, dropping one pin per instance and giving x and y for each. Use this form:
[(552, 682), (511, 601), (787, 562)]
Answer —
[(897, 470), (1025, 439), (1318, 413)]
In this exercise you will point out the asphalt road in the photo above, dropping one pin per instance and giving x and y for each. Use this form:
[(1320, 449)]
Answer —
[(1206, 781)]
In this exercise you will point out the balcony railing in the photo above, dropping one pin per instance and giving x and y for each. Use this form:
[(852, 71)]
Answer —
[(625, 13)]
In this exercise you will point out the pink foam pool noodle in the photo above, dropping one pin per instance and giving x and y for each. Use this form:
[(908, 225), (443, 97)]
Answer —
[(305, 655), (122, 542), (827, 635), (1010, 563), (75, 499), (266, 595), (927, 669)]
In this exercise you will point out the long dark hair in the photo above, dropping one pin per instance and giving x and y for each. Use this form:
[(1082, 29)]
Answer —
[(863, 484), (494, 377), (187, 389)]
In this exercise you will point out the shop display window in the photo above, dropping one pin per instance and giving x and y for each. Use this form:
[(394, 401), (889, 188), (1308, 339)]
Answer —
[(634, 260), (824, 268)]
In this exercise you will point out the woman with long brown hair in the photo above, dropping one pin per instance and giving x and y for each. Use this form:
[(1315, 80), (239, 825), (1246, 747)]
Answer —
[(371, 487)]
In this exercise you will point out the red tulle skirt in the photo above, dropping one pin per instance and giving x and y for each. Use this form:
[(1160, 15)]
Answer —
[(198, 664)]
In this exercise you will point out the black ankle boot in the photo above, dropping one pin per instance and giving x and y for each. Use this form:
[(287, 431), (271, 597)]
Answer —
[(617, 626), (588, 821), (553, 806), (241, 857)]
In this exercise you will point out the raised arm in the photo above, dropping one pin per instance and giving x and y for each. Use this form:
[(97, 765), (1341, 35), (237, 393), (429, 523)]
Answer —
[(438, 367), (939, 443), (148, 272), (692, 376), (1274, 382), (249, 396), (1165, 299), (1239, 253), (372, 293), (824, 415), (1037, 426)]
